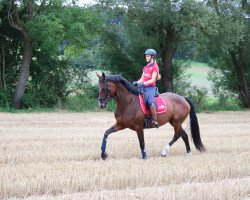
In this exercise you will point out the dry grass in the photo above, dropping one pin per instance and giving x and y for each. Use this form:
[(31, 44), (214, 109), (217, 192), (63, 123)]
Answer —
[(57, 156)]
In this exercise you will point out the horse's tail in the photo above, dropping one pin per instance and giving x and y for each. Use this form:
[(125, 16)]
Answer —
[(195, 130)]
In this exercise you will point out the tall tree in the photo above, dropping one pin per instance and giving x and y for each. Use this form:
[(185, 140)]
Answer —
[(162, 25), (28, 44), (230, 46), (51, 27)]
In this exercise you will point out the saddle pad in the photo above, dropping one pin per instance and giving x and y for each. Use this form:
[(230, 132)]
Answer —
[(161, 105)]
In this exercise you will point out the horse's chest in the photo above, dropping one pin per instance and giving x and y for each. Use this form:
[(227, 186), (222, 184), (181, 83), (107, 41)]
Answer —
[(125, 118)]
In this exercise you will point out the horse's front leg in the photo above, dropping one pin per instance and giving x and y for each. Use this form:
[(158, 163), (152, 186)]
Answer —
[(140, 135), (114, 128)]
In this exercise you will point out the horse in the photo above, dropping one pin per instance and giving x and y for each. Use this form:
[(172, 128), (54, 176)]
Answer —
[(129, 114)]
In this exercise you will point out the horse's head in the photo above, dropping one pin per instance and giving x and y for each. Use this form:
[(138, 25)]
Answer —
[(104, 91)]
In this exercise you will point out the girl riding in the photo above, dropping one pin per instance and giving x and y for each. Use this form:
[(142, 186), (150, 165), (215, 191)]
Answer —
[(148, 81)]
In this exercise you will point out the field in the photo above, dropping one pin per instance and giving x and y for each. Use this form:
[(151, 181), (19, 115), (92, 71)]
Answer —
[(199, 76), (57, 156)]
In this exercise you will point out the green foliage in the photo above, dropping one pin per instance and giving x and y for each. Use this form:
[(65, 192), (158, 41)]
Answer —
[(60, 35), (86, 100), (199, 96), (220, 104), (66, 47), (5, 96), (146, 24), (71, 26), (181, 80), (48, 30), (122, 45), (228, 49), (80, 103), (221, 85)]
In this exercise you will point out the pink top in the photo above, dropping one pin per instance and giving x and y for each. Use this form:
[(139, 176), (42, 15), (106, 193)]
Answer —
[(148, 72)]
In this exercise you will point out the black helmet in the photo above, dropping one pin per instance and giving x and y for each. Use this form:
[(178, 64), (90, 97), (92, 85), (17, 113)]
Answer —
[(151, 52)]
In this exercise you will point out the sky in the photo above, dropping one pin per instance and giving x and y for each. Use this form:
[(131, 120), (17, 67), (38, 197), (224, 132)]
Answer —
[(85, 2)]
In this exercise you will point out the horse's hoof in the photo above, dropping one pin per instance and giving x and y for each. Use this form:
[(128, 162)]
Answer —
[(163, 155), (144, 158), (104, 155), (165, 151), (189, 153)]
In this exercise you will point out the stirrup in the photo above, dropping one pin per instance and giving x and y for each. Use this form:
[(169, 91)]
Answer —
[(155, 124)]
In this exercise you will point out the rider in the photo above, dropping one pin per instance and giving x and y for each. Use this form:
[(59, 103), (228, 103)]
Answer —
[(148, 81)]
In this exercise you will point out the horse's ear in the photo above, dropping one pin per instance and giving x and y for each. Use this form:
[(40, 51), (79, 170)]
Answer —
[(103, 76), (99, 76)]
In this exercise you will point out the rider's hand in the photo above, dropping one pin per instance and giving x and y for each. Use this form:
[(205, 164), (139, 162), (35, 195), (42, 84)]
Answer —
[(141, 85), (135, 83)]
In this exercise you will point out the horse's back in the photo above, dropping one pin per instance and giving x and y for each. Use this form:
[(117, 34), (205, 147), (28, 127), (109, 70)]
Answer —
[(177, 106)]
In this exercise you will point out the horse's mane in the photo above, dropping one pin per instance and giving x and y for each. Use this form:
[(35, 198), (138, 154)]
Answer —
[(124, 82)]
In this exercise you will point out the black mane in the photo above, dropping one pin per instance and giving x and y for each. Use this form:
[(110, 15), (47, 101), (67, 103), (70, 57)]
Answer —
[(124, 82)]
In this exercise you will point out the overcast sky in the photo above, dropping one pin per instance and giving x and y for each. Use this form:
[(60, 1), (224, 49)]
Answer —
[(86, 2)]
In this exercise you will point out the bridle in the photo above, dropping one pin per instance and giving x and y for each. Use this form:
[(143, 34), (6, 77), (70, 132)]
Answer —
[(107, 92)]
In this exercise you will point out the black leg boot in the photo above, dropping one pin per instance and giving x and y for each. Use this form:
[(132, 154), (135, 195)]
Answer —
[(154, 117)]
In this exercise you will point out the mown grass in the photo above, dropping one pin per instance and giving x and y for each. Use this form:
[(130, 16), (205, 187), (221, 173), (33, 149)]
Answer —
[(57, 156)]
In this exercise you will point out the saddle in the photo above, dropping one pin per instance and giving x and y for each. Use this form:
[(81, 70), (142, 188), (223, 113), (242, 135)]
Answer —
[(144, 94), (159, 104)]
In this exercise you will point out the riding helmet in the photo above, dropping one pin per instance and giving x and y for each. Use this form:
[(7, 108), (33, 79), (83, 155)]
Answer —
[(151, 52)]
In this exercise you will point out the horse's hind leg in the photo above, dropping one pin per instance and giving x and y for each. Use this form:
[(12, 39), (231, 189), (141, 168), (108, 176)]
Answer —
[(184, 136), (177, 134)]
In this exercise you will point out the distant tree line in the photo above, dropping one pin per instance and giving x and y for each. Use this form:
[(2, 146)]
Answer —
[(48, 46)]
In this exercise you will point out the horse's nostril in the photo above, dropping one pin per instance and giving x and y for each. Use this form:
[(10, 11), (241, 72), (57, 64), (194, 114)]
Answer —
[(102, 106)]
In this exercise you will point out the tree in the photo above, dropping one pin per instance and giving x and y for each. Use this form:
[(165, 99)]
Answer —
[(50, 27), (162, 25), (16, 22), (230, 47), (10, 41)]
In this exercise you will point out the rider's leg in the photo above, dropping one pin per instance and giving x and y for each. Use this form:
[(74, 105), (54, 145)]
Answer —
[(154, 116), (151, 94)]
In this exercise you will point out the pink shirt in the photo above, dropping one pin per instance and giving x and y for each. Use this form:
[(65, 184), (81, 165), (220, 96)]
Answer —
[(148, 72)]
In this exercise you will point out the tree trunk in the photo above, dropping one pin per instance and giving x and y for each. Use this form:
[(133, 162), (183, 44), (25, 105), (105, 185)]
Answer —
[(168, 58), (24, 72), (240, 68), (17, 23)]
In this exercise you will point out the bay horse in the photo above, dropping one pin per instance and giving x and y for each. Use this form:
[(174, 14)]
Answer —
[(129, 114)]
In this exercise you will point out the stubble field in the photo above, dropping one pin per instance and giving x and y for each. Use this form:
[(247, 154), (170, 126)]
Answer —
[(57, 156)]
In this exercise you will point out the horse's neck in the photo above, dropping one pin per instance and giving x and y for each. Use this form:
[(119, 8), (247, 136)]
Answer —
[(123, 97)]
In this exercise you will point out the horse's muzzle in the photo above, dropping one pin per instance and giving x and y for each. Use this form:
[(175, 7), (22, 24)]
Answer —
[(102, 105)]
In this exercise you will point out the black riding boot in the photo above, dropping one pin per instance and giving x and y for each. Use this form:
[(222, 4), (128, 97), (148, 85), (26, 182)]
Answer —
[(154, 117)]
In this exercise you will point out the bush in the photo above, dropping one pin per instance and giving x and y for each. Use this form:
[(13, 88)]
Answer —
[(222, 104), (199, 96), (79, 103), (5, 98)]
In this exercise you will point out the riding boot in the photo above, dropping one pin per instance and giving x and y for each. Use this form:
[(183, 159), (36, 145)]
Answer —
[(154, 116)]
